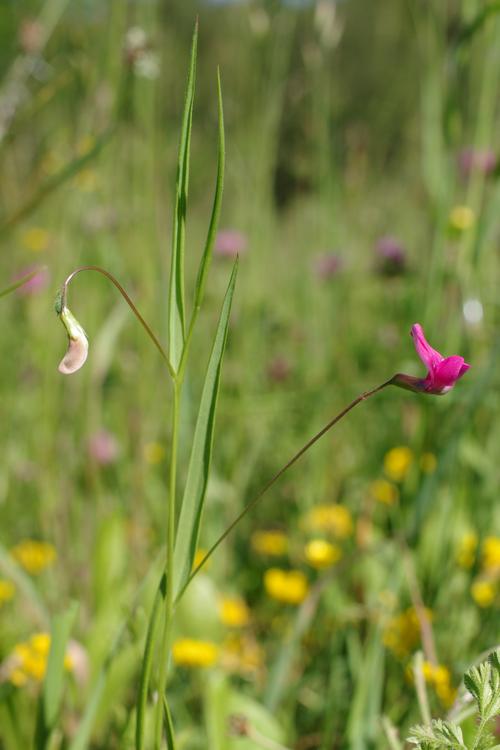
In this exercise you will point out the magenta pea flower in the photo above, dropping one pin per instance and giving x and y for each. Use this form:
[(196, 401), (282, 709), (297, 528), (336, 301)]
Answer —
[(442, 372)]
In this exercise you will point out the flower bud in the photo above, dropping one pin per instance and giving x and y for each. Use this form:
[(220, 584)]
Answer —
[(78, 345)]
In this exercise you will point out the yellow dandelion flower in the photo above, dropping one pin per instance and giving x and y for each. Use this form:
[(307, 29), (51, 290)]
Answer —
[(397, 462), (483, 593), (428, 463), (35, 239), (34, 556), (154, 453), (335, 519), (491, 553), (29, 660), (466, 553), (384, 492), (7, 590), (322, 554), (272, 543), (462, 218), (188, 652), (287, 586), (234, 612)]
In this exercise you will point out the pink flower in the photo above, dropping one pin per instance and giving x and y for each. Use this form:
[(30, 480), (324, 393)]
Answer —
[(230, 242), (103, 447), (36, 284), (443, 372)]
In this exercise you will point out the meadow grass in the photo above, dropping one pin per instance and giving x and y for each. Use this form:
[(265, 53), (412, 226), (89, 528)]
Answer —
[(344, 124)]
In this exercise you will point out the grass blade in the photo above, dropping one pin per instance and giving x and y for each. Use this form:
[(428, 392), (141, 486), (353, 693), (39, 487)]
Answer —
[(50, 699), (214, 219), (201, 453), (20, 282), (212, 228), (147, 664), (176, 311)]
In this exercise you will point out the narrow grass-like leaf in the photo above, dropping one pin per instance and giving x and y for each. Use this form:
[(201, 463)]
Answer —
[(19, 282), (169, 725), (214, 219), (50, 699), (201, 452), (147, 663), (176, 306), (212, 228), (477, 23)]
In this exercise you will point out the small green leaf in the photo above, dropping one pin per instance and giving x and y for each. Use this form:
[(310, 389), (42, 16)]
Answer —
[(201, 452), (176, 313), (214, 219), (50, 698)]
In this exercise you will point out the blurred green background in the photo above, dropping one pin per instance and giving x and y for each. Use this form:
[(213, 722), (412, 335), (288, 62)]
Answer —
[(362, 195)]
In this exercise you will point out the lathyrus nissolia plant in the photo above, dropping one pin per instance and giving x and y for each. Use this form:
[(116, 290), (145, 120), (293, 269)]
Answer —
[(181, 538)]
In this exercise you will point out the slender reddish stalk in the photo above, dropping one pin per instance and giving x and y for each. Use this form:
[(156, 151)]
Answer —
[(142, 321), (280, 473)]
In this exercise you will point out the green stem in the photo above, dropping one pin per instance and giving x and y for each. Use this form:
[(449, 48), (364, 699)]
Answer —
[(147, 663), (169, 571)]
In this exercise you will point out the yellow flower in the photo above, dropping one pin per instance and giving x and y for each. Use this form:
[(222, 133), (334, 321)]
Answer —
[(154, 453), (461, 218), (384, 491), (397, 462), (242, 654), (439, 677), (428, 463), (7, 590), (491, 553), (483, 593), (272, 543), (234, 612), (34, 556), (467, 550), (321, 554), (188, 652), (287, 586), (35, 239), (402, 632), (334, 518), (29, 660)]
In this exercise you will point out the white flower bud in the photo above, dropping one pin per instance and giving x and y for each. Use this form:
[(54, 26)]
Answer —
[(78, 345)]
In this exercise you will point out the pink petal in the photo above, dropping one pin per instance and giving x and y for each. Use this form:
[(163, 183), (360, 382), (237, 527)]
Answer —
[(463, 369), (429, 356), (449, 371)]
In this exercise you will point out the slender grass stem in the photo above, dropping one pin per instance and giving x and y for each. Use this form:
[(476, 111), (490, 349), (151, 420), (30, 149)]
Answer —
[(274, 479), (169, 571), (421, 689), (142, 321)]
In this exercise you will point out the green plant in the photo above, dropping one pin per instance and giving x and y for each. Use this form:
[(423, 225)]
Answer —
[(483, 683)]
